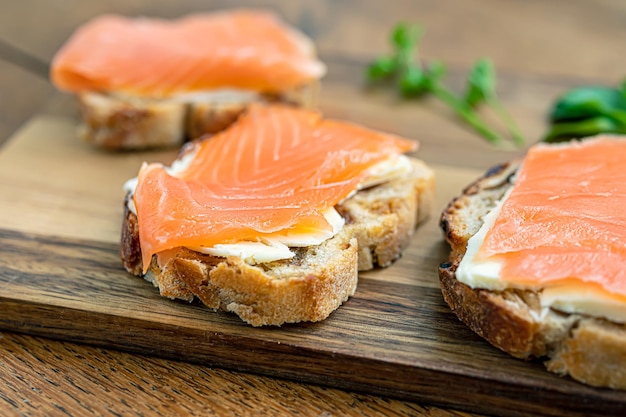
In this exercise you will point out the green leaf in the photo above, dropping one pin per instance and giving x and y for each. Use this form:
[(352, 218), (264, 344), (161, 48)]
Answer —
[(587, 102), (406, 36), (466, 113), (564, 131), (618, 115), (435, 71), (481, 83), (413, 81), (383, 67)]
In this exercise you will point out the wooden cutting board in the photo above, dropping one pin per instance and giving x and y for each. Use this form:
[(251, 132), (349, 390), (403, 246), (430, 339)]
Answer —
[(61, 277)]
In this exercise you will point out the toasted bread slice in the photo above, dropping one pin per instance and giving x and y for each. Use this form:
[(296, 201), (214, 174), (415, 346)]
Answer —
[(591, 350), (379, 224), (116, 122)]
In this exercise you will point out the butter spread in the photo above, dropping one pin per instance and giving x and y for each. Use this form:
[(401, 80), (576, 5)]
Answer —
[(277, 246), (572, 298)]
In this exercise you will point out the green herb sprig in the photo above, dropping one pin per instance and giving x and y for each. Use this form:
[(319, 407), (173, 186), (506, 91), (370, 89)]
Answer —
[(414, 79), (588, 111)]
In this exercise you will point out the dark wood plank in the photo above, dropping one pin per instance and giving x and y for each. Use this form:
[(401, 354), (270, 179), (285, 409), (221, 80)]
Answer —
[(86, 380), (540, 49), (61, 277), (392, 339)]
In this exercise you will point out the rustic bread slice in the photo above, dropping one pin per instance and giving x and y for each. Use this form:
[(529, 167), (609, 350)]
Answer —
[(379, 224), (117, 122), (590, 350)]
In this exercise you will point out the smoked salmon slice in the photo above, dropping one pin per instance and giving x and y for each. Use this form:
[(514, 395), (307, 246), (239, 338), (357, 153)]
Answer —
[(565, 218), (148, 57), (278, 168)]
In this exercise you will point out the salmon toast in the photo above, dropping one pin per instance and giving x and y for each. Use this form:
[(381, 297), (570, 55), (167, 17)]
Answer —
[(273, 217), (182, 77), (538, 258)]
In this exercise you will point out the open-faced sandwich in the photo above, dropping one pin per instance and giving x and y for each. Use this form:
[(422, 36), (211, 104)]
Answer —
[(538, 262), (273, 217), (145, 82)]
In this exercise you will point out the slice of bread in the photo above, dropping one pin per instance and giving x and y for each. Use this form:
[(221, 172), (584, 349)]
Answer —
[(589, 349), (379, 224), (116, 122)]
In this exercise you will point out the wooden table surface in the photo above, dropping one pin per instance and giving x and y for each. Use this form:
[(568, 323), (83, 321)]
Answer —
[(540, 49)]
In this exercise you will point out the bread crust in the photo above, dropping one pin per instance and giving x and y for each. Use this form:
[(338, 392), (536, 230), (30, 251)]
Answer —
[(379, 224), (116, 122), (590, 350)]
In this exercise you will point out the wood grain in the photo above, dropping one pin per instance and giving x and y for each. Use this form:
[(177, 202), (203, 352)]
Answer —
[(394, 340), (539, 48), (395, 337), (154, 386)]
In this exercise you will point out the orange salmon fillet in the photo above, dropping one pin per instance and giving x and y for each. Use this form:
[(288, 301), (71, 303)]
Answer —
[(565, 219), (242, 49), (277, 168)]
